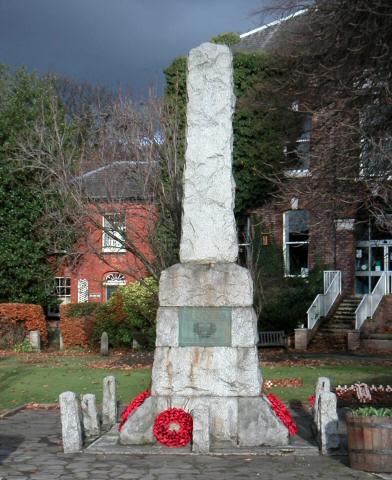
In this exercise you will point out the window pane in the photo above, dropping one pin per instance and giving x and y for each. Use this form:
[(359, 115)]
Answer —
[(110, 291), (362, 259), (298, 258), (377, 259), (297, 226), (114, 234)]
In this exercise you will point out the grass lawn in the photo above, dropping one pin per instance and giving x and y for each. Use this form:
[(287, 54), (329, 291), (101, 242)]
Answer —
[(25, 379), (35, 378)]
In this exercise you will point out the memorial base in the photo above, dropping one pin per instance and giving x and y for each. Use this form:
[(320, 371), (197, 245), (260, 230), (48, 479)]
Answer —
[(206, 361), (220, 421)]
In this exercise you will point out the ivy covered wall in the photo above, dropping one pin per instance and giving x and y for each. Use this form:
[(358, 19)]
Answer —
[(258, 132)]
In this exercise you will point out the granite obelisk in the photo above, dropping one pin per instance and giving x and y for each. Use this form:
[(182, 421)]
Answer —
[(206, 355)]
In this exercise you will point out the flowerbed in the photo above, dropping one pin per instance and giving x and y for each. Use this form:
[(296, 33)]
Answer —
[(361, 393), (294, 382)]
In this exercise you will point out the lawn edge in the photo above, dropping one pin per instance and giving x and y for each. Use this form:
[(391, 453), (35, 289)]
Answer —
[(12, 411)]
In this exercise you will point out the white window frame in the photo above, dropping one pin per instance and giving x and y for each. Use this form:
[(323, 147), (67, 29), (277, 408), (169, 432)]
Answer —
[(109, 243), (286, 248), (305, 171), (113, 279), (64, 297)]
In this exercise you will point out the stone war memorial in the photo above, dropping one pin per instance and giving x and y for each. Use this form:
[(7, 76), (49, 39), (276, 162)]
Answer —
[(206, 391), (206, 360)]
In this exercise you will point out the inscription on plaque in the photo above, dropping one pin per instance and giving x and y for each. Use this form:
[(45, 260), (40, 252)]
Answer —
[(205, 327)]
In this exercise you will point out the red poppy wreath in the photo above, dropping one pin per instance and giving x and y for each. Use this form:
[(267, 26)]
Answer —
[(173, 427), (282, 413), (136, 402)]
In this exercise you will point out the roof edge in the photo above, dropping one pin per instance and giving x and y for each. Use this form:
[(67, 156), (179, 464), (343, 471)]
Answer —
[(272, 24)]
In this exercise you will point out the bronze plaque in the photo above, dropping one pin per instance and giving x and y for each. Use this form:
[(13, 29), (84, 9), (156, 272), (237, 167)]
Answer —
[(205, 326)]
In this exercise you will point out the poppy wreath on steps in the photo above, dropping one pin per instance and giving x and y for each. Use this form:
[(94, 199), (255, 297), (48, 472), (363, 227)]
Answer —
[(135, 404), (312, 399), (282, 413), (173, 428)]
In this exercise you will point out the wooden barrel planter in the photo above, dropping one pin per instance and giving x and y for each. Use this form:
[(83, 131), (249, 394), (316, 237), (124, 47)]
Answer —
[(370, 443)]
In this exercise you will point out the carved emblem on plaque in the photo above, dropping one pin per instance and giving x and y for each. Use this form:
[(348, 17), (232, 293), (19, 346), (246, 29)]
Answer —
[(205, 326)]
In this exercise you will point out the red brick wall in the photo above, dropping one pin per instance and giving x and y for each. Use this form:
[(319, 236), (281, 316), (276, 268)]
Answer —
[(94, 265), (335, 250), (382, 320), (31, 315)]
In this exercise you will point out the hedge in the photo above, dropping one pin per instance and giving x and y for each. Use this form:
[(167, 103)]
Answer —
[(77, 323), (31, 316)]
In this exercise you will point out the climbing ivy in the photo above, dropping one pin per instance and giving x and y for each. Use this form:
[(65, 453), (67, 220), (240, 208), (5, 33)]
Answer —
[(258, 132)]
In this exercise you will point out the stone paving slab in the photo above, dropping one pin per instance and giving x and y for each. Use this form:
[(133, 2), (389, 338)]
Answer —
[(30, 449), (108, 444)]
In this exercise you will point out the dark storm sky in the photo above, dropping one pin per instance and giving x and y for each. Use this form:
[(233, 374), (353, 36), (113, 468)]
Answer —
[(114, 43)]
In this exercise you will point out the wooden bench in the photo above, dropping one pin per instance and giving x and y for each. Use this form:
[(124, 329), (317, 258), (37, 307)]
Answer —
[(272, 339)]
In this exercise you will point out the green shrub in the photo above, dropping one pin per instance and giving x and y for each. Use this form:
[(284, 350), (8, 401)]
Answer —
[(24, 347), (79, 310), (281, 301), (226, 38), (129, 315), (111, 318), (140, 303), (372, 412)]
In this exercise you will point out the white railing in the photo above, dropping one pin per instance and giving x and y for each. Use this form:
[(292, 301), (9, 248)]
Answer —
[(323, 302), (371, 301)]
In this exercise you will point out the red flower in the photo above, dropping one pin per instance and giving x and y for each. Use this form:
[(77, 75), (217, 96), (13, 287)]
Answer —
[(173, 427), (136, 402), (282, 413), (312, 399)]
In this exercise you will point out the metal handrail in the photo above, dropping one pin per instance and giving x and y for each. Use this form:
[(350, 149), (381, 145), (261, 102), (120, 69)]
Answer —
[(371, 301), (323, 302)]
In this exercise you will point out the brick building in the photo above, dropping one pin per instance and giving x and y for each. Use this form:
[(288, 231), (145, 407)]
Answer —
[(119, 213), (354, 248)]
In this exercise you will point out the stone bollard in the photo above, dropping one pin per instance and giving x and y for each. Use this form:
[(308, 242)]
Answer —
[(61, 343), (353, 340), (104, 344), (201, 429), (327, 422), (35, 339), (90, 416), (301, 338), (70, 422), (323, 385), (109, 402)]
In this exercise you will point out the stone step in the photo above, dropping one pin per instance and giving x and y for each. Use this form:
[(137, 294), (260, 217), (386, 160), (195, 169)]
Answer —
[(344, 314), (336, 332), (338, 326)]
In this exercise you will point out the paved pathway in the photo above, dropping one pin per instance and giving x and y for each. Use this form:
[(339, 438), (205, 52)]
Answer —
[(30, 448)]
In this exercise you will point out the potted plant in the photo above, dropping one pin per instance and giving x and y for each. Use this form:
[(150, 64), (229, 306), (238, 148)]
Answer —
[(369, 432)]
